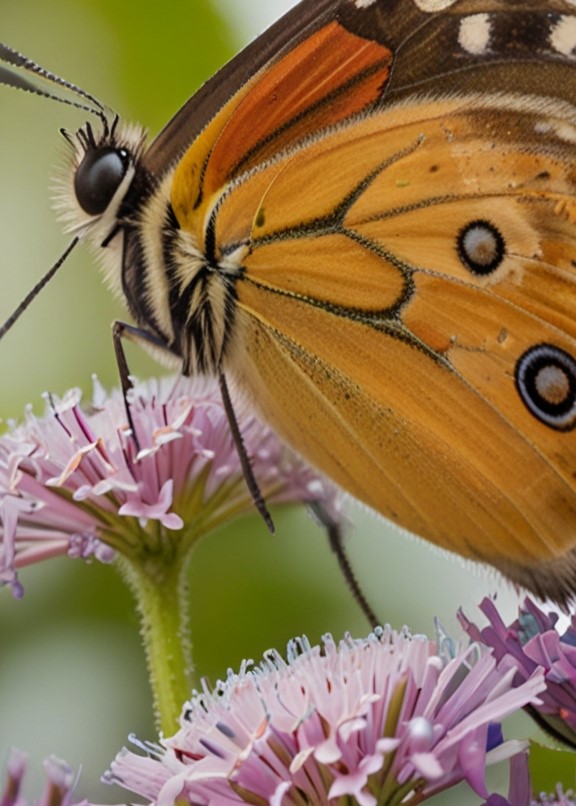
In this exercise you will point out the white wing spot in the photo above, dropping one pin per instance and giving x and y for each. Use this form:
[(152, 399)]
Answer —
[(563, 130), (434, 5), (474, 34), (563, 36)]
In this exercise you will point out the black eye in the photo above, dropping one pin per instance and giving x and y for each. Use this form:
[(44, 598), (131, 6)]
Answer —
[(98, 177)]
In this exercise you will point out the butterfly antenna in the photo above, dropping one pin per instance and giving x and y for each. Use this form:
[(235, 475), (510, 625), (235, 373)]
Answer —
[(20, 72), (37, 289), (247, 470)]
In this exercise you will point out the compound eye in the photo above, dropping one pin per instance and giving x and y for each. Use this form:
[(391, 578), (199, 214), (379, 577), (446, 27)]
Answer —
[(98, 177)]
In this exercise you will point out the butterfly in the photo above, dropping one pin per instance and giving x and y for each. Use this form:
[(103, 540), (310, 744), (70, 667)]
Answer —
[(367, 220)]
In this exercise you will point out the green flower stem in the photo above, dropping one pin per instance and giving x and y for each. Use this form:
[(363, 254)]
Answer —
[(154, 563), (159, 587)]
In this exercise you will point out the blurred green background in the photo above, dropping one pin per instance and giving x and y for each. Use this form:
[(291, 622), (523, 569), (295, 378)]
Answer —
[(72, 678)]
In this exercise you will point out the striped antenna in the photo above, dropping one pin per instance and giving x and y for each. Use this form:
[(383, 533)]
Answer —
[(22, 73)]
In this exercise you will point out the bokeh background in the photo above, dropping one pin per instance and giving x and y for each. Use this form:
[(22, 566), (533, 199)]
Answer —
[(72, 678)]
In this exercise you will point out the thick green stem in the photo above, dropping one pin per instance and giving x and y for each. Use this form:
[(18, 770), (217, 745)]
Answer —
[(154, 563), (161, 596)]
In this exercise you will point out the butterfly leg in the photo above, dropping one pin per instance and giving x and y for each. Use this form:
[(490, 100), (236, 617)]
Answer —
[(245, 463), (335, 534), (122, 330)]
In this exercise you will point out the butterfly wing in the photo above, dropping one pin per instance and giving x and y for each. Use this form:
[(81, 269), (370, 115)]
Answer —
[(385, 359), (404, 247)]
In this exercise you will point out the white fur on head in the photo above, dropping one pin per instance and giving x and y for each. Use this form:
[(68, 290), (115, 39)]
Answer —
[(95, 229)]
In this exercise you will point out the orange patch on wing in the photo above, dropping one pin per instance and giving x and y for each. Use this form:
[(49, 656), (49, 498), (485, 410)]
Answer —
[(325, 79), (332, 269), (328, 77)]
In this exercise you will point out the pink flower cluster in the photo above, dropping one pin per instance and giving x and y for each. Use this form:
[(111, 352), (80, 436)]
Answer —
[(375, 720), (60, 780), (532, 642), (75, 481)]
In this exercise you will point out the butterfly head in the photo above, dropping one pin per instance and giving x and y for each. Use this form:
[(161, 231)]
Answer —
[(102, 171)]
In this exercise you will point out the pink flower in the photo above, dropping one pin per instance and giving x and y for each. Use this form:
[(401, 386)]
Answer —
[(559, 798), (519, 792), (531, 642), (73, 482), (381, 720), (59, 784)]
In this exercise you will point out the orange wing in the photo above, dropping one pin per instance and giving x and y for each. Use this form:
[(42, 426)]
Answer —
[(374, 349), (395, 265)]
